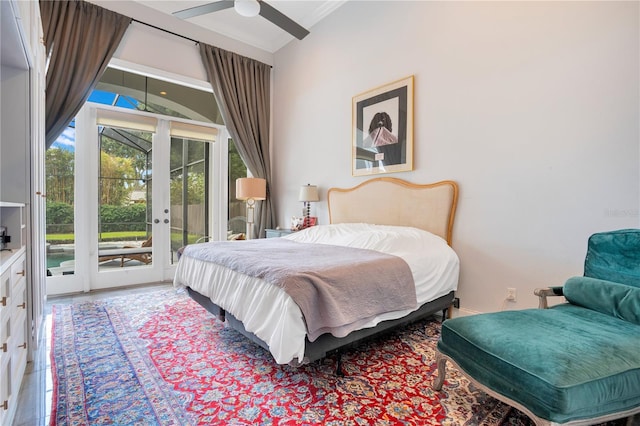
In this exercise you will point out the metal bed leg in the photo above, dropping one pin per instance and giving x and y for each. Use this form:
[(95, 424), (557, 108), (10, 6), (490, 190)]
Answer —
[(339, 371)]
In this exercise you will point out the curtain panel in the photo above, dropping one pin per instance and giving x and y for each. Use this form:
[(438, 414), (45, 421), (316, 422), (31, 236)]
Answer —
[(242, 87), (80, 39)]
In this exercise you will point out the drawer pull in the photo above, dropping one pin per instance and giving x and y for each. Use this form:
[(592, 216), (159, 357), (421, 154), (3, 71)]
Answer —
[(4, 347), (23, 305), (20, 273), (3, 301), (23, 346), (5, 405)]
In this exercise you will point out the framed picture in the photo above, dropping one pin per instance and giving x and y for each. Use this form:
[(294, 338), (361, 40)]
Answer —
[(382, 140)]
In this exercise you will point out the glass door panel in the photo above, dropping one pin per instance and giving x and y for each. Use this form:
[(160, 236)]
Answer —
[(60, 187), (189, 192), (236, 209), (125, 203)]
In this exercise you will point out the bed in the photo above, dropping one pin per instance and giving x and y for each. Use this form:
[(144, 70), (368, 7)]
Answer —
[(385, 223)]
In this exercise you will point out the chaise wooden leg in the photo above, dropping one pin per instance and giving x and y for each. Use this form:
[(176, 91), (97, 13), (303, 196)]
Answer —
[(442, 371)]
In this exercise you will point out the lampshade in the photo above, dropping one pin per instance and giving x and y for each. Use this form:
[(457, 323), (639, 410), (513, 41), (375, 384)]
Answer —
[(248, 8), (251, 189), (308, 193)]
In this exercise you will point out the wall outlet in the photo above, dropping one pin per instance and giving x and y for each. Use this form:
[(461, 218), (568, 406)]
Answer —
[(456, 303), (511, 294)]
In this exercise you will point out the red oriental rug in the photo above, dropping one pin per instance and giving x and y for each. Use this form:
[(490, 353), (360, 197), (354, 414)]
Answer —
[(161, 359)]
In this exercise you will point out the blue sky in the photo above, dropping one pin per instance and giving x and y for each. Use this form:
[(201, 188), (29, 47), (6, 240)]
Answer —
[(67, 140)]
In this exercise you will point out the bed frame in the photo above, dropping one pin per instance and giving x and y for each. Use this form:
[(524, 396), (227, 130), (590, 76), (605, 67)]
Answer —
[(381, 201)]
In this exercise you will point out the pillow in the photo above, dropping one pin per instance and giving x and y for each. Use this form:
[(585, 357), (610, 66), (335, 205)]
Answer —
[(615, 299)]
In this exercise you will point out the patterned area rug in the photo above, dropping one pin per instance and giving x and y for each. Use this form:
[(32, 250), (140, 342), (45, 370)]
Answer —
[(161, 359)]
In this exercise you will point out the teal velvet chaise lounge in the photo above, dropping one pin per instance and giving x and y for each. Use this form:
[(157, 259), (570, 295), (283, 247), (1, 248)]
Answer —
[(576, 363)]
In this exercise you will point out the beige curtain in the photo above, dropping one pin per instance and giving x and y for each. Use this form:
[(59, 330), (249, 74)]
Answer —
[(80, 39), (242, 89)]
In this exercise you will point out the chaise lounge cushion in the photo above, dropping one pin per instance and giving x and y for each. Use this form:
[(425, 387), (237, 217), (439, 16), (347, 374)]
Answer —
[(563, 363), (613, 256), (618, 300)]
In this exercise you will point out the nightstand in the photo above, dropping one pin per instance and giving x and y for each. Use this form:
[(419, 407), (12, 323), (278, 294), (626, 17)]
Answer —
[(275, 233)]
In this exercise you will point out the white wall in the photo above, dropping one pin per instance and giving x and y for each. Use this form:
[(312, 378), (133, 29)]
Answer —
[(164, 51), (533, 108)]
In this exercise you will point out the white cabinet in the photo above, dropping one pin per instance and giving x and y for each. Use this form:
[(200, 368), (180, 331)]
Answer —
[(14, 333), (22, 269), (14, 330), (22, 146)]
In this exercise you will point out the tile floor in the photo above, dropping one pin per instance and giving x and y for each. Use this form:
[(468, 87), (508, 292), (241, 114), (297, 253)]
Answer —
[(34, 400)]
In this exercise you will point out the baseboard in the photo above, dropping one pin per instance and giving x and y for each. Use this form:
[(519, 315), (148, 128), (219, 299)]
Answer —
[(462, 312)]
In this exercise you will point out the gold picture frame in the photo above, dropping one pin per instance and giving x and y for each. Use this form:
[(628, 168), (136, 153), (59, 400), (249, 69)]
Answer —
[(382, 122)]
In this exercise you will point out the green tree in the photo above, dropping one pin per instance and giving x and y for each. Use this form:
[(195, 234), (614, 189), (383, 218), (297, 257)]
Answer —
[(112, 143), (59, 217), (115, 172), (59, 164), (195, 189), (237, 168), (192, 163)]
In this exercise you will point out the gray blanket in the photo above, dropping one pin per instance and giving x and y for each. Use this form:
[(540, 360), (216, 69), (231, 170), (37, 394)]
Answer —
[(337, 288)]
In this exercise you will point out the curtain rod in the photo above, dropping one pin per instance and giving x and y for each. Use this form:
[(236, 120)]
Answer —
[(166, 31)]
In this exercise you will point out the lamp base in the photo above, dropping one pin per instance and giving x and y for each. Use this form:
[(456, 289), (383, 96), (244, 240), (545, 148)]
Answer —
[(249, 228), (306, 210)]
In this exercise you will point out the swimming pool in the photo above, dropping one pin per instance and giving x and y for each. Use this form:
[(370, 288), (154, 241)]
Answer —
[(55, 259)]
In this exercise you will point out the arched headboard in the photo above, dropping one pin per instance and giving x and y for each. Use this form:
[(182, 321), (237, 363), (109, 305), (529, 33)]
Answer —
[(393, 201)]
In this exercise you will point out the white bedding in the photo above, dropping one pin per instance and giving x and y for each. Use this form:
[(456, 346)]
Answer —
[(268, 312)]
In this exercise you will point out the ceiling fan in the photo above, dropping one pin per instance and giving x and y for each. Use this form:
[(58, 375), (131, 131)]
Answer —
[(248, 8)]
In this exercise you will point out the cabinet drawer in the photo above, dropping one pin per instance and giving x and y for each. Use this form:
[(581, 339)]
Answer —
[(18, 351), (19, 270), (6, 290), (5, 387), (20, 329), (7, 322), (19, 296)]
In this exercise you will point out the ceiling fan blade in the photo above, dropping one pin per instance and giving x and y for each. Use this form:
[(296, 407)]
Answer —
[(203, 9), (278, 18)]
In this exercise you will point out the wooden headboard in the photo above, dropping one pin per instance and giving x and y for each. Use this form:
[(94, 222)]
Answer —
[(393, 201)]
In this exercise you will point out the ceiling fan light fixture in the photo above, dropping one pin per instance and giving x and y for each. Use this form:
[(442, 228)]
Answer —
[(248, 8)]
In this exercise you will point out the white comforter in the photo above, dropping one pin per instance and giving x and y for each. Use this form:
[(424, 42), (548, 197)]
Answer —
[(268, 312)]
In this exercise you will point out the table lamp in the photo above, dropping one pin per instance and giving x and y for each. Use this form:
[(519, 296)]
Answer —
[(250, 190), (308, 194)]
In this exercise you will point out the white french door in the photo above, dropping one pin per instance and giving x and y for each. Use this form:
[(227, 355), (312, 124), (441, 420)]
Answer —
[(121, 255), (157, 170)]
